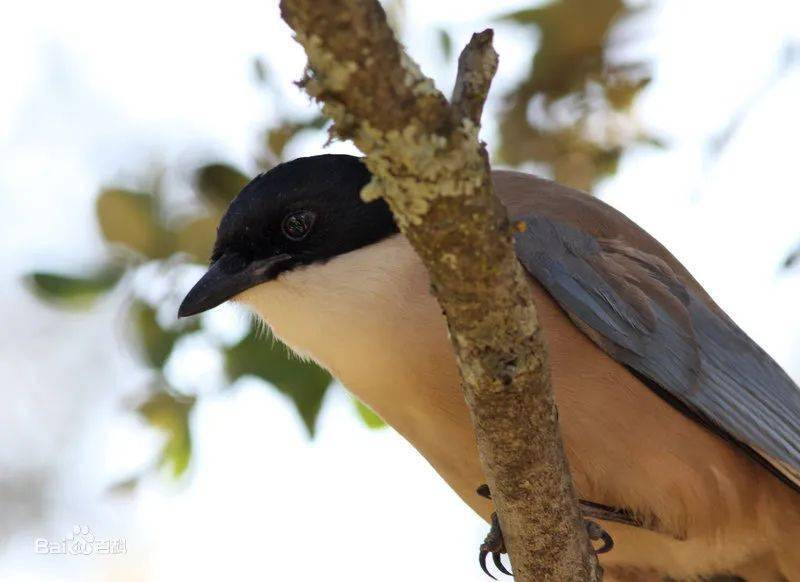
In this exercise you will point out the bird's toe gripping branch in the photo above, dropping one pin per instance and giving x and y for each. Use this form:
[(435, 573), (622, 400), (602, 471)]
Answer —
[(495, 545), (596, 533)]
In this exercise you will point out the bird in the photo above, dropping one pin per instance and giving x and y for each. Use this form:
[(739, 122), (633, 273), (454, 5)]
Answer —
[(669, 413)]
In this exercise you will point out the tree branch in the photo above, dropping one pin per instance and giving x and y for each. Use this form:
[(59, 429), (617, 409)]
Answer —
[(477, 65), (427, 162)]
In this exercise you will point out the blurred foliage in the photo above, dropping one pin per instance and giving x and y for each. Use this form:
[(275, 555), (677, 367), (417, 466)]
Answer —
[(572, 115), (792, 259), (218, 183), (266, 357), (170, 414), (131, 220), (74, 291), (155, 342), (445, 43), (279, 137), (370, 418)]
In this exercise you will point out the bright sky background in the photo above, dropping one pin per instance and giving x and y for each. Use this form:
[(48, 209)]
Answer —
[(93, 90)]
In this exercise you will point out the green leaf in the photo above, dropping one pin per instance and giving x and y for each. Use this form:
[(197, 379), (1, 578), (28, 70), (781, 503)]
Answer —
[(219, 183), (370, 418), (131, 219), (621, 91), (170, 414), (74, 291), (125, 487), (445, 43), (525, 16), (279, 137), (196, 237), (156, 343), (267, 358)]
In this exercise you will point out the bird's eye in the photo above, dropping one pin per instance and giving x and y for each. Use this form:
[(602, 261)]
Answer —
[(297, 226)]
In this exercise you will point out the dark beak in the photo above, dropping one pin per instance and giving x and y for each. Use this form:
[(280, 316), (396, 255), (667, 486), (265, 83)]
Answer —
[(227, 277)]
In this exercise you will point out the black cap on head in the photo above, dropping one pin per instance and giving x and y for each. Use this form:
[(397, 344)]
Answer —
[(300, 212)]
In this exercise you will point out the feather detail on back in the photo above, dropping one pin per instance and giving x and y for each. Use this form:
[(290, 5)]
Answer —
[(633, 299)]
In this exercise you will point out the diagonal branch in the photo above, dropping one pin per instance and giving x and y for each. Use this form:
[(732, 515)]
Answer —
[(427, 162)]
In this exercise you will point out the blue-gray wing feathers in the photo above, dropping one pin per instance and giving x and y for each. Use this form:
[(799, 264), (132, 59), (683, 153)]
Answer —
[(637, 309)]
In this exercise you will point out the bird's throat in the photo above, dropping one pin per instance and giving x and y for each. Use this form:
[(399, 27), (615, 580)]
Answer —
[(369, 318)]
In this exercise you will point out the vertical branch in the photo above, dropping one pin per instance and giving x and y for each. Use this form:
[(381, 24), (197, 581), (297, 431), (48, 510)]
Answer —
[(428, 163)]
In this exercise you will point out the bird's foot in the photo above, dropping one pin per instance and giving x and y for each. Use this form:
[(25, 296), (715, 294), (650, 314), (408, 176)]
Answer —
[(495, 545), (596, 533)]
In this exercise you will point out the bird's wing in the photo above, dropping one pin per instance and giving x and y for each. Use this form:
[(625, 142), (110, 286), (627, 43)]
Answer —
[(635, 306)]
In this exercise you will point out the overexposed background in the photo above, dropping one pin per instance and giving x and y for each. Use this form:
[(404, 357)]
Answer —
[(92, 90)]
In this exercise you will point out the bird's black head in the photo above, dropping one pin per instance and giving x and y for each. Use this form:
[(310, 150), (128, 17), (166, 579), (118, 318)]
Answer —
[(298, 213)]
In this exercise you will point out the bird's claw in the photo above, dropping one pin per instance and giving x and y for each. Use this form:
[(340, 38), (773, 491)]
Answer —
[(495, 545), (596, 533)]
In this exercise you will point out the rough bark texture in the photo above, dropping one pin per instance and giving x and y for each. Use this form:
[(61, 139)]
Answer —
[(428, 163)]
